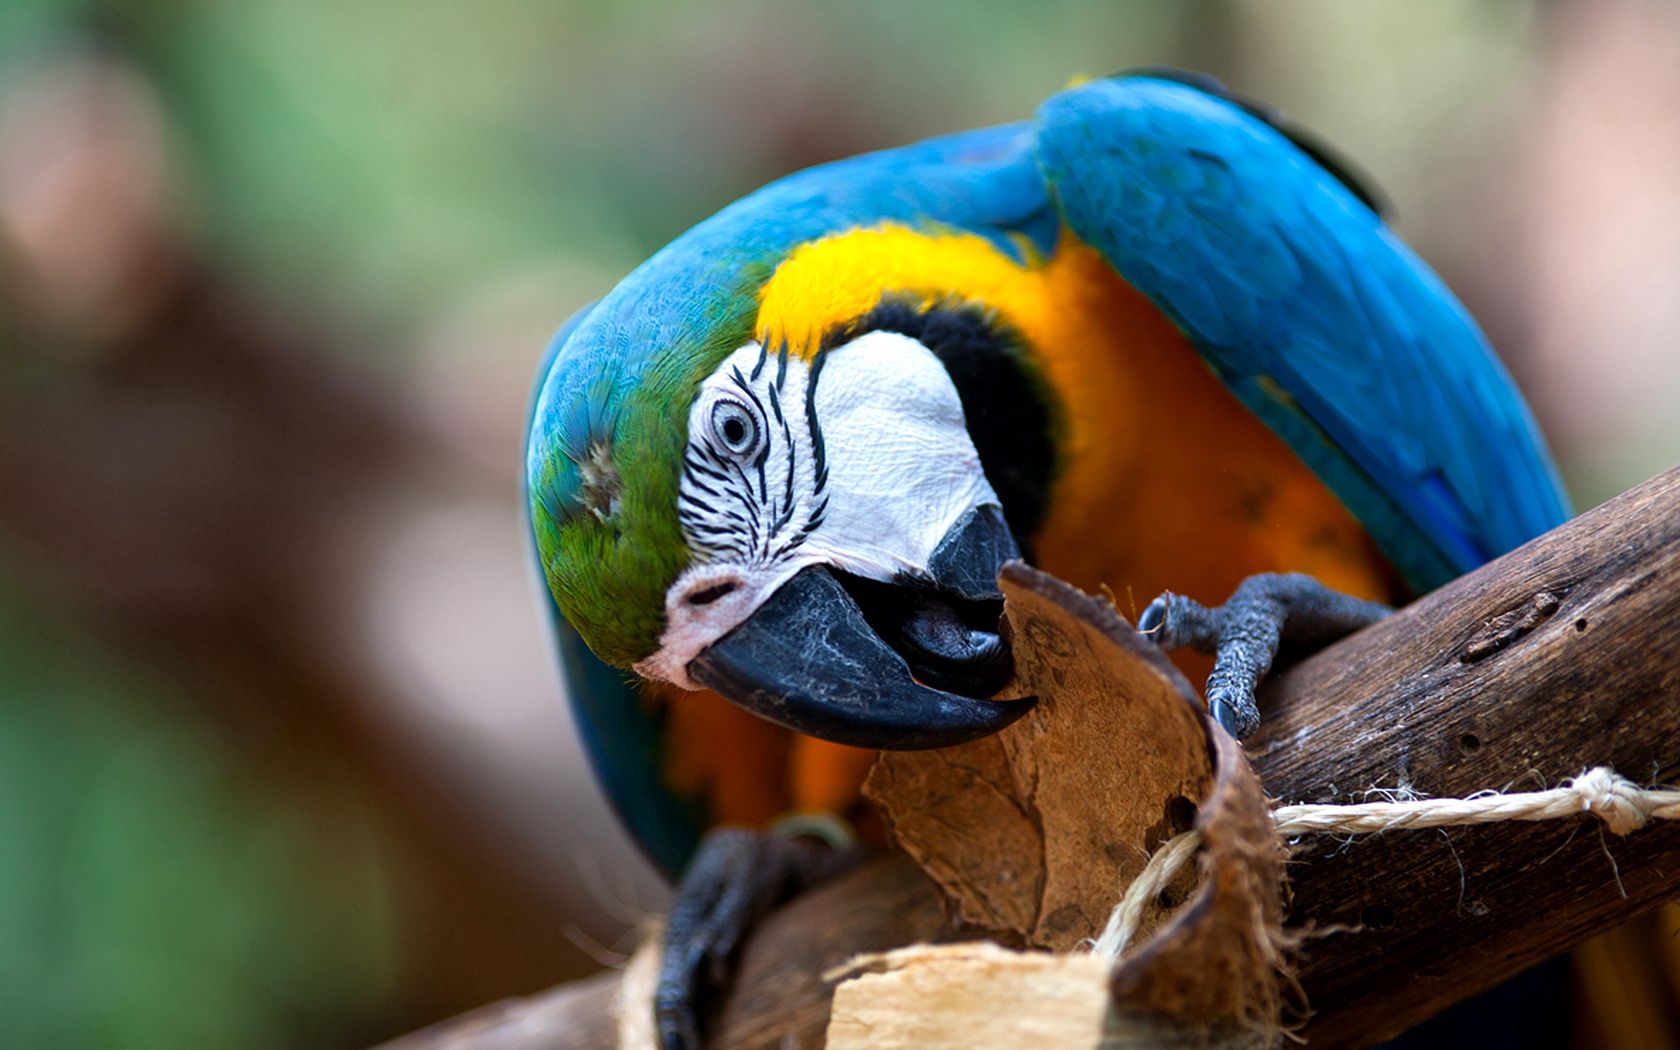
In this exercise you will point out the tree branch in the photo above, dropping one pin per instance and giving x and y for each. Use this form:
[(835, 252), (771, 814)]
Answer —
[(1559, 656), (1556, 657)]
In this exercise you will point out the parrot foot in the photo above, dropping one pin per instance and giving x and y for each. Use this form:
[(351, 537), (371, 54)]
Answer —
[(1244, 634), (738, 876)]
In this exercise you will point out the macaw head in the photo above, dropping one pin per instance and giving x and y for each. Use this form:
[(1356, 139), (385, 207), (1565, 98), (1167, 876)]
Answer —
[(755, 473)]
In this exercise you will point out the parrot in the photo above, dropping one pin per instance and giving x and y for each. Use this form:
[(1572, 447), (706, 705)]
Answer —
[(1155, 339)]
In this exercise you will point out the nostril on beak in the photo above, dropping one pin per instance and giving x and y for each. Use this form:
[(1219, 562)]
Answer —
[(708, 595)]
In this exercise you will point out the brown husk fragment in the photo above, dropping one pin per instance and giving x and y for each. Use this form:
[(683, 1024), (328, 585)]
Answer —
[(1032, 835)]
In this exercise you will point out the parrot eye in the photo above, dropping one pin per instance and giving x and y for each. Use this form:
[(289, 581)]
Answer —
[(735, 427)]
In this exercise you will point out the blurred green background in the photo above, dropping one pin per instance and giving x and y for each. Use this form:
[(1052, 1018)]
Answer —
[(283, 762)]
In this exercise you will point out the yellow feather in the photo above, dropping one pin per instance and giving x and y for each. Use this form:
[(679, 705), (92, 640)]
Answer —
[(842, 277)]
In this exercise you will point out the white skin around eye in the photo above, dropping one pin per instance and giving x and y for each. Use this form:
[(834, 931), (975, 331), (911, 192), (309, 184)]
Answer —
[(886, 472)]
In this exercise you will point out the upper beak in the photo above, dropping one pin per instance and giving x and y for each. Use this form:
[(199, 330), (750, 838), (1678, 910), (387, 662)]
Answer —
[(813, 657)]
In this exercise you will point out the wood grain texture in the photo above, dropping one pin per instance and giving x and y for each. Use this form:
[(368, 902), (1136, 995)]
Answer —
[(1559, 656), (575, 1016)]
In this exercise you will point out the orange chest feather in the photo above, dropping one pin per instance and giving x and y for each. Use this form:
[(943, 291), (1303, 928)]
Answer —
[(1167, 480), (1164, 480)]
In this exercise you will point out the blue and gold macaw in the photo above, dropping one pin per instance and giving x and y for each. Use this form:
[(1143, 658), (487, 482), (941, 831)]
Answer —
[(1153, 338)]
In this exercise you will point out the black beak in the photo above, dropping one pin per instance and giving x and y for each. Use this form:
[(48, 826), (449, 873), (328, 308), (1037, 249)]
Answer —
[(898, 666)]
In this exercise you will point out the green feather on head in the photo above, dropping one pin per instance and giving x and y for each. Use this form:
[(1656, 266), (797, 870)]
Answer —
[(604, 508)]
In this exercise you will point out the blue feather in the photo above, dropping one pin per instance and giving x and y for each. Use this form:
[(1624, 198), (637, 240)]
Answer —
[(1330, 329)]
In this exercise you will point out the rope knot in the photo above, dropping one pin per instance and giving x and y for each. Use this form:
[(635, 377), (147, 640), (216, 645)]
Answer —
[(1614, 799)]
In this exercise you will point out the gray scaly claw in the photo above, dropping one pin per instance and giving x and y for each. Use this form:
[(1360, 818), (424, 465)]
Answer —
[(1244, 634)]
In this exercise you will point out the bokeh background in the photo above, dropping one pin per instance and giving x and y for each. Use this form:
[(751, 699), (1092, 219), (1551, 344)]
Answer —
[(283, 759)]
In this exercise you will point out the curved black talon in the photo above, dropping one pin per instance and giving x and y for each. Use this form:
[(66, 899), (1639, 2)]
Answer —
[(736, 878), (1244, 634)]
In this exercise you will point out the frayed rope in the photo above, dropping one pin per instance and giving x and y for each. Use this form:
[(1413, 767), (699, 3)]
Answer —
[(1624, 807)]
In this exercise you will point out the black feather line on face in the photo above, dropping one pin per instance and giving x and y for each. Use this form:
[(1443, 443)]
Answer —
[(708, 529), (694, 465), (715, 530), (706, 452), (744, 492), (792, 468), (819, 494), (819, 455), (741, 381), (726, 508), (692, 506), (736, 519), (719, 541)]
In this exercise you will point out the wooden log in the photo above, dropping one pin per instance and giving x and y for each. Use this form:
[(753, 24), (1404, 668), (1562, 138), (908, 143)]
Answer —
[(1556, 657), (578, 1015), (781, 995), (1559, 656)]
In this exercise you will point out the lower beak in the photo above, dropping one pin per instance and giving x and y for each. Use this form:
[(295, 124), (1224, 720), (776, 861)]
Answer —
[(816, 655)]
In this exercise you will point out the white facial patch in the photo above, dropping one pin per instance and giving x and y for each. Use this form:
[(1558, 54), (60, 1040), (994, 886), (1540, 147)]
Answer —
[(861, 461)]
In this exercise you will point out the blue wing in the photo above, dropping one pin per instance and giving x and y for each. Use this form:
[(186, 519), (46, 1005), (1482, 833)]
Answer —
[(621, 734), (1312, 312)]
